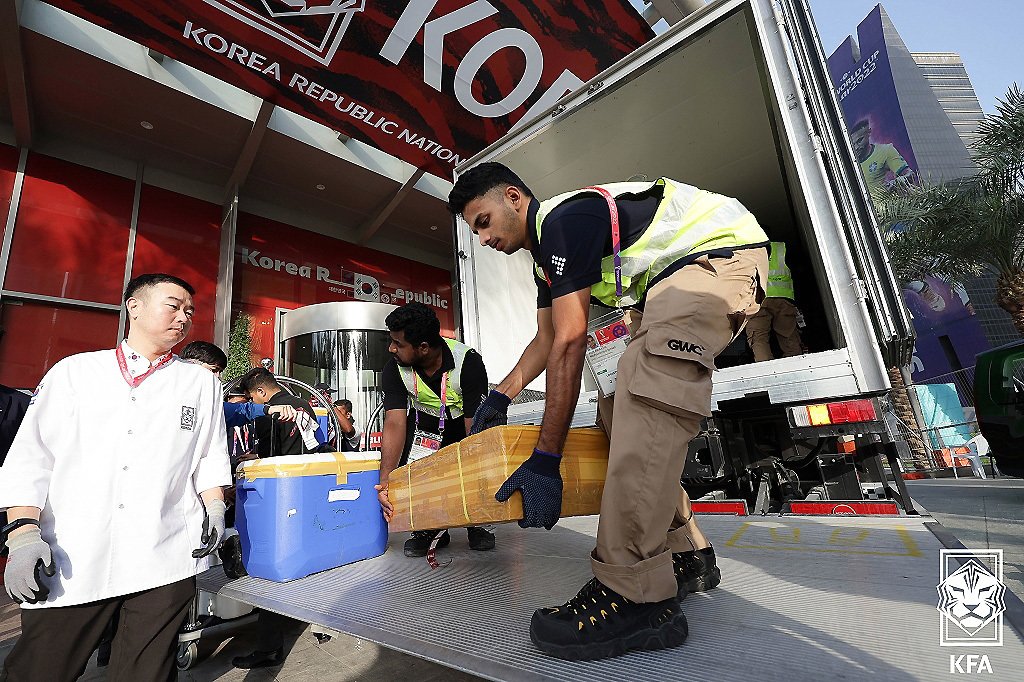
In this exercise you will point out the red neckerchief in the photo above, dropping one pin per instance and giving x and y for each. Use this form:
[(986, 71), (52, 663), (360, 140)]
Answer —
[(135, 381)]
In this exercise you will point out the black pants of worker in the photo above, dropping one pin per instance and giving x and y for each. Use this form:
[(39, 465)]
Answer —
[(56, 643)]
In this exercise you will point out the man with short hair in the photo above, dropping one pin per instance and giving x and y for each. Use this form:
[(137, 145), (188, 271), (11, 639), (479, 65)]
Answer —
[(350, 436), (431, 385), (273, 438), (114, 478), (686, 267)]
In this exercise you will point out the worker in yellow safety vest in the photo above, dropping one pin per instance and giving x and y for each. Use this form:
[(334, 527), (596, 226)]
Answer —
[(686, 267), (778, 312), (431, 387)]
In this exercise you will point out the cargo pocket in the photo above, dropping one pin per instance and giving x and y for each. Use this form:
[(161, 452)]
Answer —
[(668, 382)]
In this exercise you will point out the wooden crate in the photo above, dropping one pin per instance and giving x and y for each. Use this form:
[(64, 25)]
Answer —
[(455, 486)]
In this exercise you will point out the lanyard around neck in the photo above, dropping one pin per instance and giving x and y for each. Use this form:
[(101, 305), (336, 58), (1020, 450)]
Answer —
[(613, 209), (416, 395), (135, 381)]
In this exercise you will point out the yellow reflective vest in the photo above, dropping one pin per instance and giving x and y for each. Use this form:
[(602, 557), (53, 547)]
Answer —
[(428, 402), (780, 278), (688, 220)]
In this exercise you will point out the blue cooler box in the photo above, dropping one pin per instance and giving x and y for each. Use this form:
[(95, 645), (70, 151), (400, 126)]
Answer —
[(301, 514)]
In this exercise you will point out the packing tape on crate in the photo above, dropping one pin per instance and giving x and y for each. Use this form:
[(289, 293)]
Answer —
[(340, 466)]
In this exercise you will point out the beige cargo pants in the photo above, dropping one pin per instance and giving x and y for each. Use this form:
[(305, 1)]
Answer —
[(776, 315), (663, 391)]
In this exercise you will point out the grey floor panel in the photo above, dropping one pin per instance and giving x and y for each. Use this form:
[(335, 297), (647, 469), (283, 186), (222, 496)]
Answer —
[(802, 598)]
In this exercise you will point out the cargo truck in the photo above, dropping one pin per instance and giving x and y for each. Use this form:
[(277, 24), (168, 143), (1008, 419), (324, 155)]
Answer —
[(737, 100)]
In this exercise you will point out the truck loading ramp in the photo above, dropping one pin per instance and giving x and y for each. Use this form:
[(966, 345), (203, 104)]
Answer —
[(802, 598)]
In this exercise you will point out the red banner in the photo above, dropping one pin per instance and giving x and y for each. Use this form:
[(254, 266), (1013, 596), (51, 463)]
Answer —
[(280, 266), (429, 81)]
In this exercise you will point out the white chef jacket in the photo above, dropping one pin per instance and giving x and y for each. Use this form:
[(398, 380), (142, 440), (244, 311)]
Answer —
[(117, 472)]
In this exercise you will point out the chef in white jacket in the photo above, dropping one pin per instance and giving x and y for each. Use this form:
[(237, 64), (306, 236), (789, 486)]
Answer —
[(113, 489)]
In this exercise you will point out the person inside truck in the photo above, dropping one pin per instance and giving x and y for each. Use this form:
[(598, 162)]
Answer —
[(688, 267), (429, 384), (778, 312), (881, 164)]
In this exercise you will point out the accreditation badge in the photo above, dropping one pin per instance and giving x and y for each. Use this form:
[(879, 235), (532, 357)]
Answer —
[(424, 443)]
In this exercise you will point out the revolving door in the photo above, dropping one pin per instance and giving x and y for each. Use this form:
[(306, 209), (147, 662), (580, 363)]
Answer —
[(344, 344)]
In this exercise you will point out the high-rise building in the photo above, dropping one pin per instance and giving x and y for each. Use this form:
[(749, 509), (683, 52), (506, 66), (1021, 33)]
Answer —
[(906, 120), (948, 78)]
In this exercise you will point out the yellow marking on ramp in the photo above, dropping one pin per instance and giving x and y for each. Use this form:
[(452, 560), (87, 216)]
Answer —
[(792, 543)]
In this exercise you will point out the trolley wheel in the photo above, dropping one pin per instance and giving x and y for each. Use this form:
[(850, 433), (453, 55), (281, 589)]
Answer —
[(187, 654)]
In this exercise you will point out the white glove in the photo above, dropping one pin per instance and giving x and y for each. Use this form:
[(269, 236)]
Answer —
[(29, 555)]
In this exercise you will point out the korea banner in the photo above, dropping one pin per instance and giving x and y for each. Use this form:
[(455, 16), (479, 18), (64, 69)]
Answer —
[(429, 81)]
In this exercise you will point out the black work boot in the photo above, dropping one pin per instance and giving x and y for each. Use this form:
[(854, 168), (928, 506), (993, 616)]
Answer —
[(696, 571), (600, 623), (420, 541), (259, 659), (480, 539)]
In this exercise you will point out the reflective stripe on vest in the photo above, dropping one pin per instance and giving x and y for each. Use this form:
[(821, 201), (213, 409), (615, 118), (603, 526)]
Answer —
[(780, 278), (687, 220), (427, 401)]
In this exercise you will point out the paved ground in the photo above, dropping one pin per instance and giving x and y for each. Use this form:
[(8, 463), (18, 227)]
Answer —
[(983, 514)]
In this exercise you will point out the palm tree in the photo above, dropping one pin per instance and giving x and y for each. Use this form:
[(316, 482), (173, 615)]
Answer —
[(956, 230)]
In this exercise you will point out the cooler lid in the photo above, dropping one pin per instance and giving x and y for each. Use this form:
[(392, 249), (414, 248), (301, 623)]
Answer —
[(340, 464)]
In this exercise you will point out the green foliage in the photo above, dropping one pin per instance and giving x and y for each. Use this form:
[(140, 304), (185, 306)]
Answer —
[(239, 348), (956, 230)]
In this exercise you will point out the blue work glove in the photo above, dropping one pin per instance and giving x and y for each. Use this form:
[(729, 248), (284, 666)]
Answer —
[(540, 483), (29, 555), (493, 411), (213, 529)]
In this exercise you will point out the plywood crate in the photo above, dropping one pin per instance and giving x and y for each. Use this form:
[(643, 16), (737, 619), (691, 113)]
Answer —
[(455, 486)]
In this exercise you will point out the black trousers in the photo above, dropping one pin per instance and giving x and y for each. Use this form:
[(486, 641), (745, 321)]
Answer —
[(56, 643)]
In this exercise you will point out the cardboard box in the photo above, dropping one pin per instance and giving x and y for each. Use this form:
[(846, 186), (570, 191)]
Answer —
[(455, 486)]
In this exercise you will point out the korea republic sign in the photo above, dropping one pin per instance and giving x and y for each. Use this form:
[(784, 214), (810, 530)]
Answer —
[(429, 81)]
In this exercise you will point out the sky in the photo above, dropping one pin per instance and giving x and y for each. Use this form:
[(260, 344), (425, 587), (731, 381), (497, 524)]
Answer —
[(988, 34)]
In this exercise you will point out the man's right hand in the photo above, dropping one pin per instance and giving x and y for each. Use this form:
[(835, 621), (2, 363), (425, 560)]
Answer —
[(493, 411), (386, 507), (285, 413), (29, 555)]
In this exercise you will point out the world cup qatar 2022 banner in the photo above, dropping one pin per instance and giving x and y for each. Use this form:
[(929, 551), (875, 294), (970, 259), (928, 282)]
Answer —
[(429, 81)]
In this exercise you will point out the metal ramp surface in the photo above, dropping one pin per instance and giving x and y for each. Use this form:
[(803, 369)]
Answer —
[(802, 598)]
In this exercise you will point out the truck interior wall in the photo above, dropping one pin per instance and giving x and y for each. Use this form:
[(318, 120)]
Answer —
[(704, 115)]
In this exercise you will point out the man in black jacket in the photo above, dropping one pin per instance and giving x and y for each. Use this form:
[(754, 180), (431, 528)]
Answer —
[(275, 438)]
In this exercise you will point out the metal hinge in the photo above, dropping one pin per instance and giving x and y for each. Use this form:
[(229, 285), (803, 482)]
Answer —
[(558, 110), (594, 87), (463, 255), (819, 148), (860, 287)]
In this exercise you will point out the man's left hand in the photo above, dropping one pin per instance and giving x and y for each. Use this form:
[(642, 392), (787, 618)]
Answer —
[(213, 529), (539, 481)]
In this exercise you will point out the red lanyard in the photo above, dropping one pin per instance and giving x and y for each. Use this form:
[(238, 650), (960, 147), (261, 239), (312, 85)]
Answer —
[(613, 209), (135, 381), (444, 396)]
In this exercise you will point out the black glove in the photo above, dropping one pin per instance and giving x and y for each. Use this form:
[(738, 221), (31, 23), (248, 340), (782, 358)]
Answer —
[(493, 411), (540, 483)]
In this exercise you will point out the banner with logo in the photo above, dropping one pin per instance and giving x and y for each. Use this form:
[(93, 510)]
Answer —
[(281, 266), (949, 334), (429, 81)]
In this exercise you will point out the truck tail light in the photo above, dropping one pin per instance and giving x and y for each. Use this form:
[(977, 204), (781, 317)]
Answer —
[(826, 414)]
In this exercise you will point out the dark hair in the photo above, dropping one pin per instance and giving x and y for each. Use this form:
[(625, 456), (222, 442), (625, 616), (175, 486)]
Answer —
[(863, 123), (152, 279), (205, 352), (258, 378), (480, 180), (418, 322), (343, 403)]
